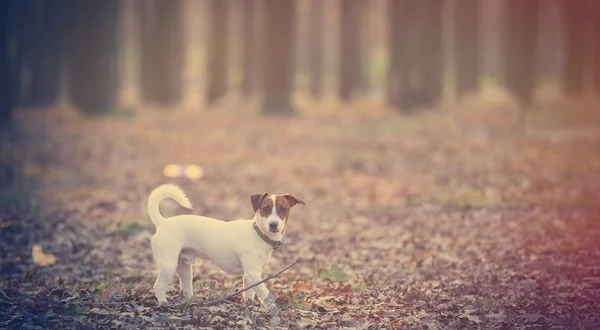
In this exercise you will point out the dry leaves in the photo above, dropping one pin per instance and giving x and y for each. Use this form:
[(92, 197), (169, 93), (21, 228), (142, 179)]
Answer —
[(411, 223), (41, 258)]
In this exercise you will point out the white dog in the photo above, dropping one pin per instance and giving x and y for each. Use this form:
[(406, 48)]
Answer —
[(237, 247)]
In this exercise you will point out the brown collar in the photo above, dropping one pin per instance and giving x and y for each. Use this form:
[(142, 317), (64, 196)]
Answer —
[(276, 245)]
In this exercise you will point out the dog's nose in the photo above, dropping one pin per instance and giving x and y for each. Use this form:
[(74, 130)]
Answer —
[(273, 225)]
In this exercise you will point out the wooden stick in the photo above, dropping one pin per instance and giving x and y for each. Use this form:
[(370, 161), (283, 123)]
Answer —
[(5, 296), (270, 277)]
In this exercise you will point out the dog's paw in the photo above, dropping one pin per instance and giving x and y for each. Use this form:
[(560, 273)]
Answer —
[(269, 303), (273, 310), (188, 295), (162, 305), (272, 296)]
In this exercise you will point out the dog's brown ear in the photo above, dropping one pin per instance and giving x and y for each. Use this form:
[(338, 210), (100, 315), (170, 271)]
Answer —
[(293, 200), (257, 200)]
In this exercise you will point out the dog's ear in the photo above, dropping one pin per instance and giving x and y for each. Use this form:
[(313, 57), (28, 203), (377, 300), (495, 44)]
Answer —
[(257, 200), (293, 200)]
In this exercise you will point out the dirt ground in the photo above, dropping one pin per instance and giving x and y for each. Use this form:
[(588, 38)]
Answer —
[(435, 221)]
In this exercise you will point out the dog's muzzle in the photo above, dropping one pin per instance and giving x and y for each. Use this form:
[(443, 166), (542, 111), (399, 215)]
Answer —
[(273, 226)]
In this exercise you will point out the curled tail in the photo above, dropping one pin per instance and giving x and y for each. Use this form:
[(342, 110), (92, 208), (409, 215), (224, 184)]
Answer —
[(162, 192)]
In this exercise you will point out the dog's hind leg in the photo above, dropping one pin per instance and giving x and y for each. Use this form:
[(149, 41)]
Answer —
[(166, 259), (184, 270)]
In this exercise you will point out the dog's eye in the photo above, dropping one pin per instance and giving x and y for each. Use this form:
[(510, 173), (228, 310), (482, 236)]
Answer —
[(266, 208), (283, 209)]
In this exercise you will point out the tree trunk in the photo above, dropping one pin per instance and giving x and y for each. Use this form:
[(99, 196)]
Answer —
[(549, 39), (6, 104), (94, 83), (217, 52), (397, 77), (316, 49), (467, 16), (349, 54), (521, 39), (363, 82), (162, 51), (416, 68), (16, 38), (574, 14), (596, 43), (259, 46), (47, 52), (248, 43), (22, 38), (432, 52), (278, 56)]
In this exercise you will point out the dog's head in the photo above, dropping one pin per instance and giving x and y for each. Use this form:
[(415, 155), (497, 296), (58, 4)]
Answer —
[(273, 210)]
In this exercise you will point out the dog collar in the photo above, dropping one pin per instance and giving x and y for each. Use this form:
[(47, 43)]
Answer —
[(275, 244)]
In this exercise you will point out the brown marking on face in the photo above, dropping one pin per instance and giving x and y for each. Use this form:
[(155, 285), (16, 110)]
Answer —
[(266, 207), (257, 200), (283, 203), (282, 206)]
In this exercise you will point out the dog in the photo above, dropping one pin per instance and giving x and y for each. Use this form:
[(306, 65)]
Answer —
[(237, 247)]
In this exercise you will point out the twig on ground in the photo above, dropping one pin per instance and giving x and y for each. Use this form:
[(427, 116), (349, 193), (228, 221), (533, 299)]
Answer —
[(4, 294), (212, 302)]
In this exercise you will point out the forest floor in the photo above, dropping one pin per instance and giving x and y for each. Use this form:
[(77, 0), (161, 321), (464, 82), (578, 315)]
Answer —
[(439, 221)]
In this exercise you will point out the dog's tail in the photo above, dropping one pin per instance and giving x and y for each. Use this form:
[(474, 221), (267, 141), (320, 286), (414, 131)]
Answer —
[(162, 192)]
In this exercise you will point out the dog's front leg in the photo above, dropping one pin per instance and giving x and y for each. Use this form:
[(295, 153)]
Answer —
[(249, 294), (260, 290), (162, 282)]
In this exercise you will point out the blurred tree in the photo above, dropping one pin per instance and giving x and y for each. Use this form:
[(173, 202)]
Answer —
[(492, 35), (596, 43), (521, 39), (248, 46), (316, 49), (550, 39), (416, 67), (93, 55), (20, 40), (364, 45), (217, 52), (47, 50), (397, 77), (431, 57), (278, 56), (6, 104), (162, 51), (467, 16), (349, 53), (574, 12)]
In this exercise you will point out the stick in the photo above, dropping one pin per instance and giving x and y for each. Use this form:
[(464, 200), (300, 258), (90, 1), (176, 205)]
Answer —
[(5, 296), (270, 277)]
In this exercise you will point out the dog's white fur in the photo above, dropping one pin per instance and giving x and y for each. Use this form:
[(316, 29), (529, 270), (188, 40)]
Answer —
[(234, 246)]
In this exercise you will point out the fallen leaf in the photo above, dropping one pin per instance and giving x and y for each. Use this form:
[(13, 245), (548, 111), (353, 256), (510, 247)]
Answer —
[(302, 286), (41, 258), (534, 317), (396, 324), (108, 294)]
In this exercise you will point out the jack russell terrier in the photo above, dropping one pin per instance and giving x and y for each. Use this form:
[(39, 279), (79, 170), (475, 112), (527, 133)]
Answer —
[(237, 247)]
